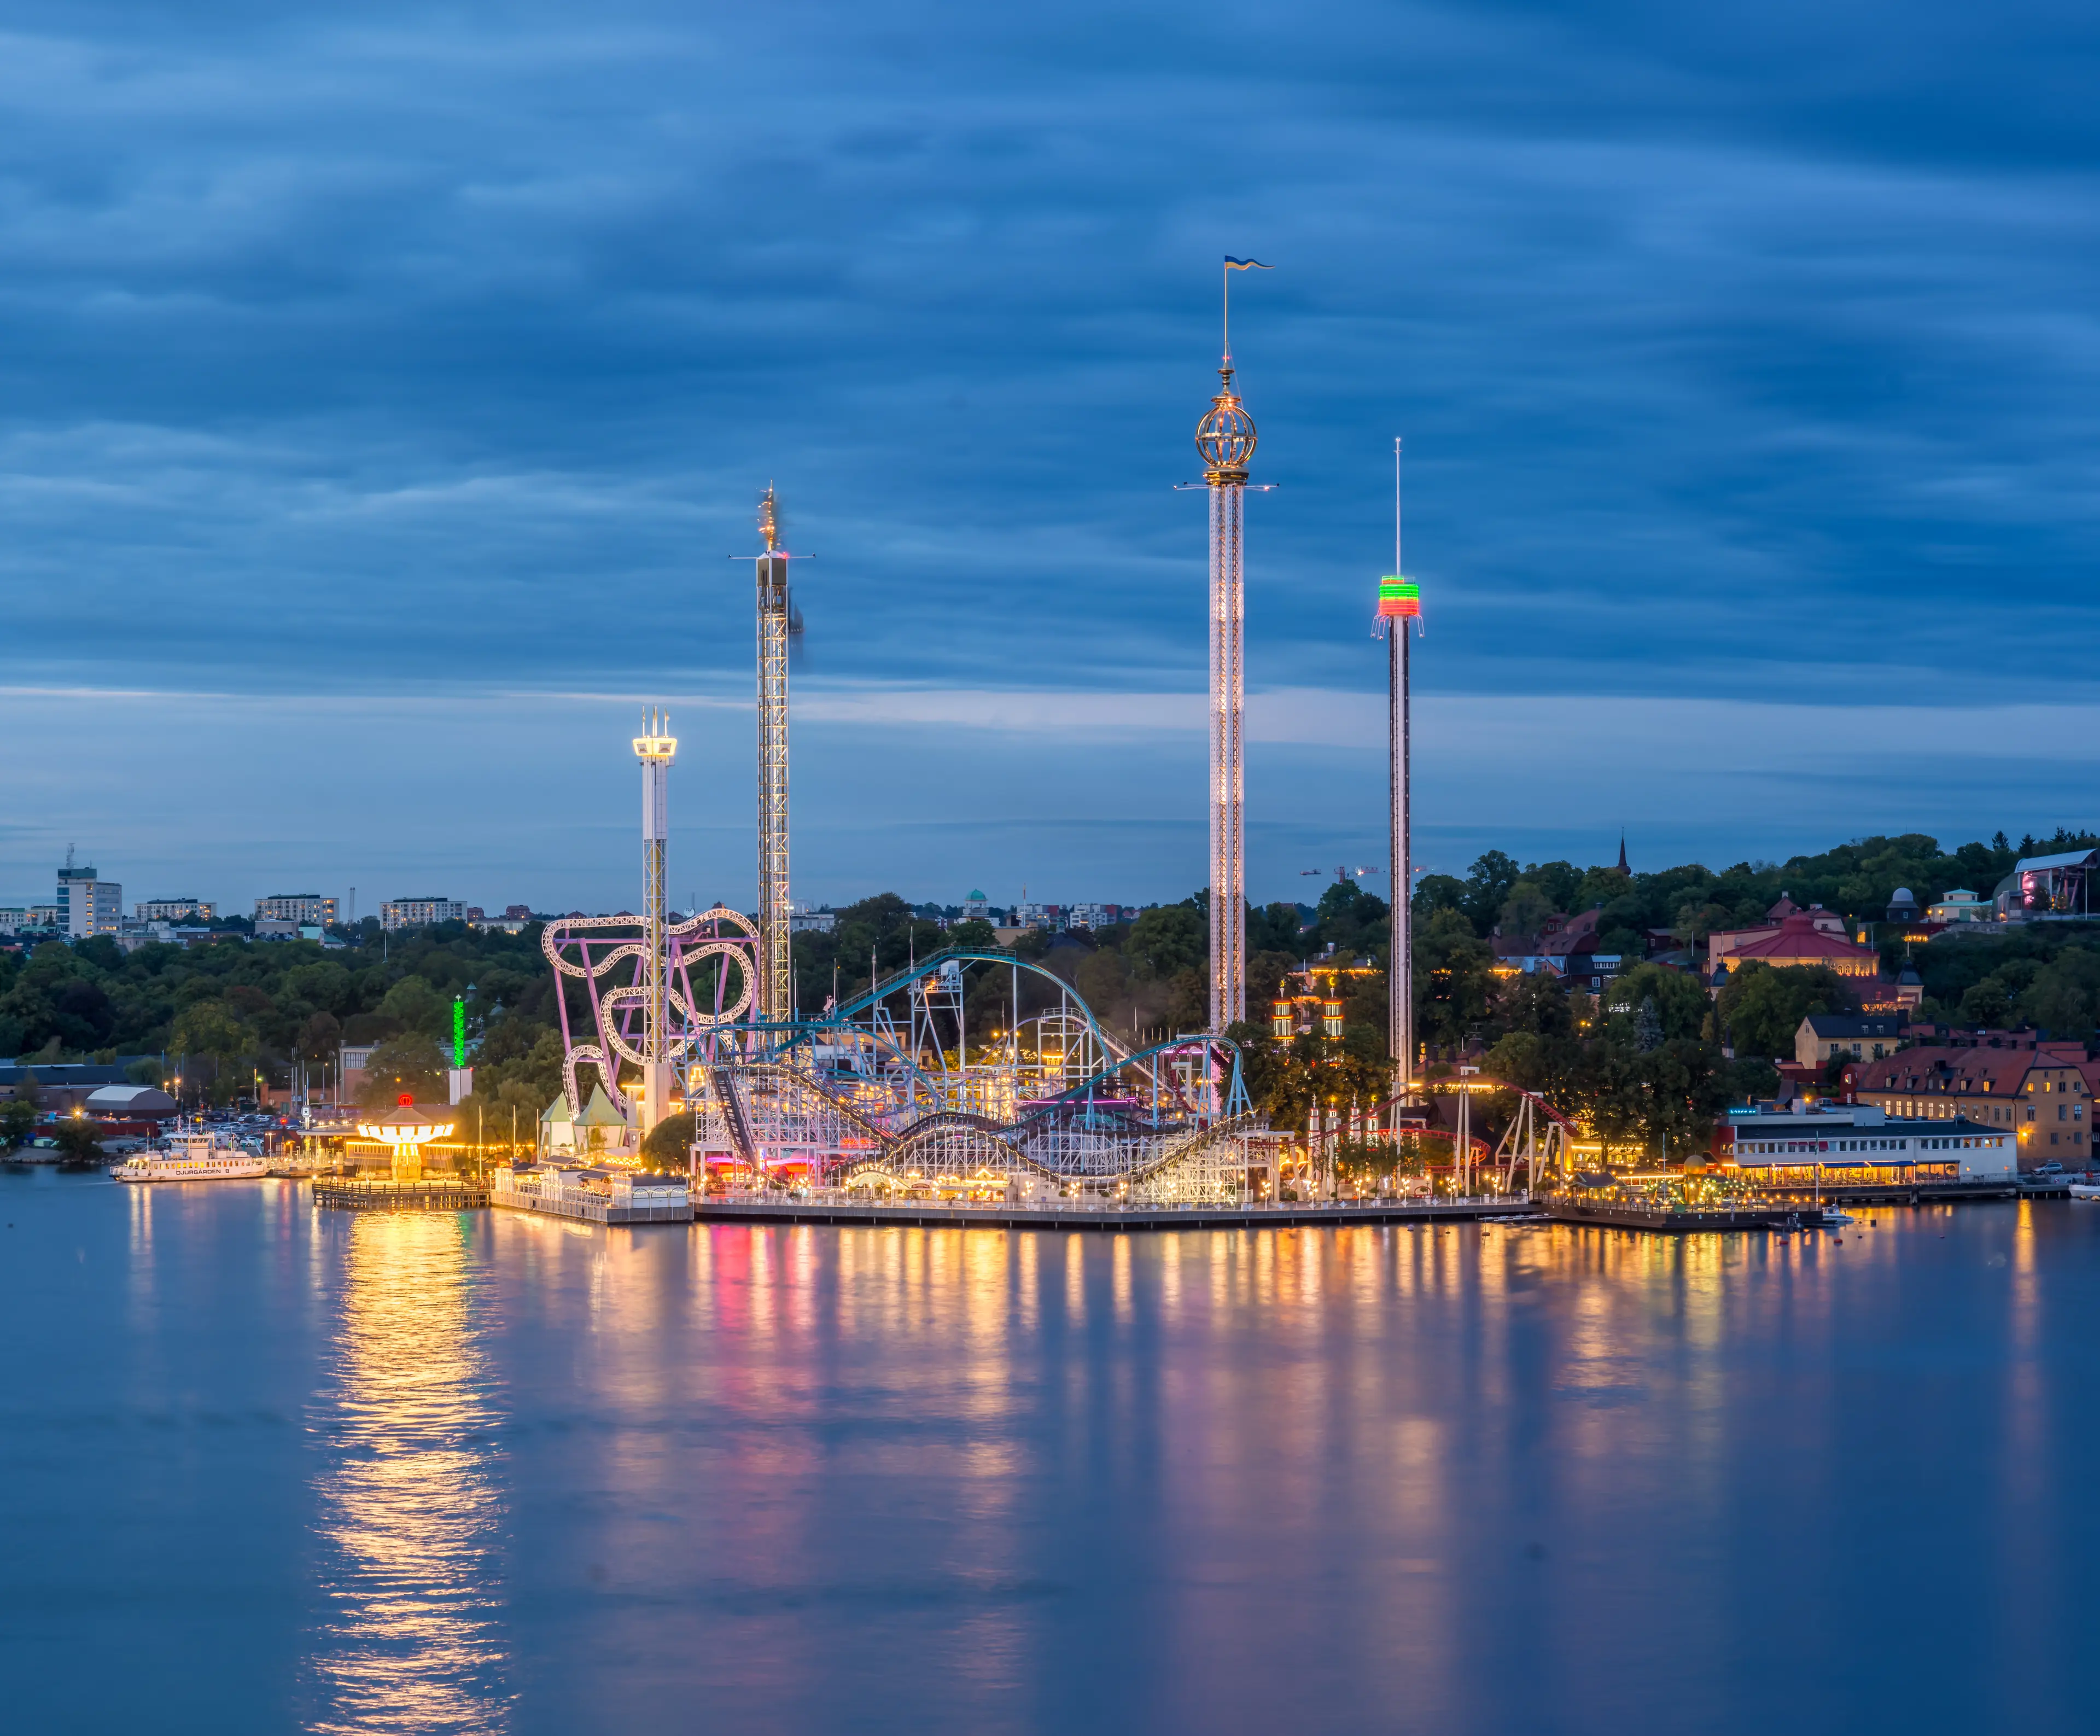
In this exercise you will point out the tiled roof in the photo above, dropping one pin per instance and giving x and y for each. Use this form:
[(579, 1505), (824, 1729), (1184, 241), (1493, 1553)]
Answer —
[(1574, 938), (1963, 1069), (1853, 1024), (1798, 937)]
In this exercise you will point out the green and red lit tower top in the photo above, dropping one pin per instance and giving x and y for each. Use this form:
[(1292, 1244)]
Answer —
[(1399, 599)]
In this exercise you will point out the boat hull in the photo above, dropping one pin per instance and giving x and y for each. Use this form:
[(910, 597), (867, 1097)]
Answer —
[(213, 1170)]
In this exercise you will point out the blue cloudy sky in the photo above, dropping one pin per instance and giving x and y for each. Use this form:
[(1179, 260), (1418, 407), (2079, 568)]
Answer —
[(383, 389)]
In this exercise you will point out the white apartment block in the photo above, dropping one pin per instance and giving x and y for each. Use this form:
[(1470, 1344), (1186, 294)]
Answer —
[(176, 910), (296, 907), (420, 912), (86, 905)]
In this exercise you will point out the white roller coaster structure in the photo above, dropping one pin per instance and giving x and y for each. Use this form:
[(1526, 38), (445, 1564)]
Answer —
[(885, 1092)]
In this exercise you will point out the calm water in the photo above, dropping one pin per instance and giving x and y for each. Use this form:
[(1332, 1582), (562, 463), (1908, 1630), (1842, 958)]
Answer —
[(263, 1469)]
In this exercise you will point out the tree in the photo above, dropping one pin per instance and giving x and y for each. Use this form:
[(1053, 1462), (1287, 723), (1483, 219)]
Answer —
[(1559, 881), (1681, 1002), (1761, 1007), (76, 1143), (669, 1145), (1350, 919), (1274, 928), (18, 1121), (1535, 1003), (1435, 892), (1525, 911), (418, 1006), (1647, 1029), (2065, 994), (412, 1063), (1166, 939), (319, 1037), (1490, 881), (1986, 1004), (211, 1028), (1453, 977)]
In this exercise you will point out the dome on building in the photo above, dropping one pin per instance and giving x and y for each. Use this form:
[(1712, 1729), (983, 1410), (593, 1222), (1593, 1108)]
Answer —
[(1903, 896)]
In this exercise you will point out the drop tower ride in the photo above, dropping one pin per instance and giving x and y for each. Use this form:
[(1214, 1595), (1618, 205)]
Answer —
[(656, 748), (776, 996), (1400, 602), (1225, 441)]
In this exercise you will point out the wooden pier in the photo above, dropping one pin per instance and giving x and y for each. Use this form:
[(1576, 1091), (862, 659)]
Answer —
[(383, 1194), (1619, 1214)]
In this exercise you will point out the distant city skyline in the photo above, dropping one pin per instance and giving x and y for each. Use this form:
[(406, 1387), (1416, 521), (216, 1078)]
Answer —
[(554, 790)]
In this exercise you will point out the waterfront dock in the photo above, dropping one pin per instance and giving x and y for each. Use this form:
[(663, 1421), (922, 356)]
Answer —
[(382, 1194), (1074, 1214), (1836, 1190), (1619, 1214), (594, 1196)]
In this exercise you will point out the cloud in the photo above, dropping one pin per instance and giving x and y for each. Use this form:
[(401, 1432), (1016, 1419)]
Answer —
[(1742, 361)]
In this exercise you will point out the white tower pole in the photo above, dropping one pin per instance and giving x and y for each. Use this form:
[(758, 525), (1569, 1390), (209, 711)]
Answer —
[(1228, 762), (776, 1000), (656, 748), (1400, 1035), (1226, 440)]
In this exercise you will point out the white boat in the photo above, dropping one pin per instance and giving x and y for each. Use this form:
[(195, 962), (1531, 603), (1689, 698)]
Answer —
[(2085, 1190), (193, 1155)]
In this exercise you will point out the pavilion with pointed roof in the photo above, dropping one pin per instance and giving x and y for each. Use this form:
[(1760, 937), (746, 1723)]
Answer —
[(600, 1125)]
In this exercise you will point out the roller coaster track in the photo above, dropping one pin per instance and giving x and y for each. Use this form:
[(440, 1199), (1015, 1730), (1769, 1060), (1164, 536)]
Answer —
[(925, 1137), (733, 1112), (898, 980), (1194, 1144)]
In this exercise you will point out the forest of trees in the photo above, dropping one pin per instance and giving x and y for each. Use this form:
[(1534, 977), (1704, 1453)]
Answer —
[(1650, 1063)]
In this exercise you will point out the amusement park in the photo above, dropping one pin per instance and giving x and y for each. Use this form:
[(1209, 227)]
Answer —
[(887, 1093)]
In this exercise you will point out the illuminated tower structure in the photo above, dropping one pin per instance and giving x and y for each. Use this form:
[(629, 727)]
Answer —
[(656, 747), (1400, 602), (1225, 441), (776, 996)]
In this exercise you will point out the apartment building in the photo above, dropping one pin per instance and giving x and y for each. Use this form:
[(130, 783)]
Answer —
[(296, 908), (175, 910), (420, 912)]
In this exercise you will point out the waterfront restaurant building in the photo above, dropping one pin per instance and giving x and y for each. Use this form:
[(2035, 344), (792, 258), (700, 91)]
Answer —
[(1864, 1146)]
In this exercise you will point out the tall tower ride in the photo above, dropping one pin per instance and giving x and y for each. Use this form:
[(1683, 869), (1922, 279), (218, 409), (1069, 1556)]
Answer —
[(1226, 440), (776, 996), (1400, 602), (656, 747)]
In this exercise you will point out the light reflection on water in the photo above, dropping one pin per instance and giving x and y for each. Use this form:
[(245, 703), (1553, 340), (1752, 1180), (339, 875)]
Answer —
[(408, 1496), (802, 1480)]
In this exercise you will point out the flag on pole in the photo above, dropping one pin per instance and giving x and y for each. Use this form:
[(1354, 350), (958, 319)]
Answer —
[(1246, 265)]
